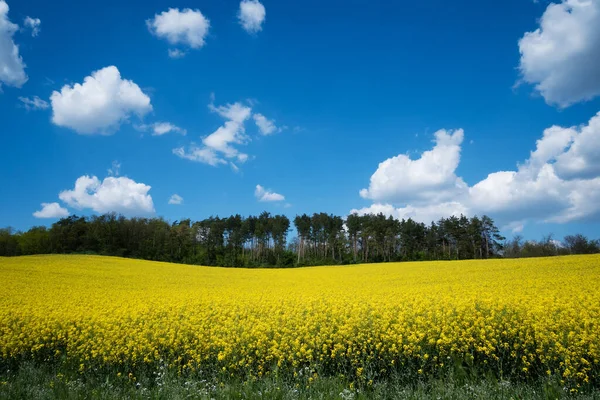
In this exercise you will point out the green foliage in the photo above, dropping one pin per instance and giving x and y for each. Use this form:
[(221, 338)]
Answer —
[(262, 241), (32, 381), (572, 244)]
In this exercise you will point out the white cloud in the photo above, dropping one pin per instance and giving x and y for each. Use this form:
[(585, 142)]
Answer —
[(222, 146), (553, 142), (12, 67), (235, 112), (263, 194), (114, 169), (429, 178), (251, 15), (222, 139), (583, 201), (201, 154), (161, 128), (265, 125), (518, 195), (224, 136), (100, 105), (33, 24), (514, 227), (582, 159), (34, 103), (176, 53), (425, 214), (176, 199), (561, 57), (219, 147), (113, 194), (234, 167), (51, 210), (559, 182), (187, 27)]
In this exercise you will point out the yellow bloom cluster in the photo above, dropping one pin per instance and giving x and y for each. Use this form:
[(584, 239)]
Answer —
[(525, 318)]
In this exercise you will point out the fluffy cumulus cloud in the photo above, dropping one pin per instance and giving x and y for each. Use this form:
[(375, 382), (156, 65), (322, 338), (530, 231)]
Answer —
[(582, 159), (51, 210), (561, 56), (176, 199), (33, 24), (220, 146), (100, 104), (161, 128), (113, 194), (424, 213), (429, 178), (12, 67), (265, 195), (265, 125), (34, 103), (559, 182), (252, 15), (184, 28)]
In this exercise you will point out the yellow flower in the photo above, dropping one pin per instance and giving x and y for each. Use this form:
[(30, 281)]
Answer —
[(530, 314)]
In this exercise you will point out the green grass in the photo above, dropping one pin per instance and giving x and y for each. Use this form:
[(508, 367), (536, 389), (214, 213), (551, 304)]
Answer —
[(33, 381)]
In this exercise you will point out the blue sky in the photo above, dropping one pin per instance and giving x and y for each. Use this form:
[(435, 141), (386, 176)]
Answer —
[(447, 93)]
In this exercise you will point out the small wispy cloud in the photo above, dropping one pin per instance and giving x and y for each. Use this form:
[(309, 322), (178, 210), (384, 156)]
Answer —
[(265, 125), (114, 169), (34, 103), (266, 195), (176, 199), (33, 24), (176, 53), (160, 128)]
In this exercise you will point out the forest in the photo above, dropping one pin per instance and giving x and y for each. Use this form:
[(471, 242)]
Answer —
[(262, 241)]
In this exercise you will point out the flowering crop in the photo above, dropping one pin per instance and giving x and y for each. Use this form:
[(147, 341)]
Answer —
[(522, 318)]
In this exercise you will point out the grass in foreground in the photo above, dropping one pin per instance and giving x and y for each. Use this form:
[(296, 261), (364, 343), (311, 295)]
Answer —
[(35, 382)]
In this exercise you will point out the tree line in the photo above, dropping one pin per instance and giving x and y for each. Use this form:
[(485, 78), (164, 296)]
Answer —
[(548, 246), (262, 241)]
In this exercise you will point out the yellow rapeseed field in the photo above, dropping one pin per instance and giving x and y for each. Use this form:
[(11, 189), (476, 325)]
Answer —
[(516, 318)]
